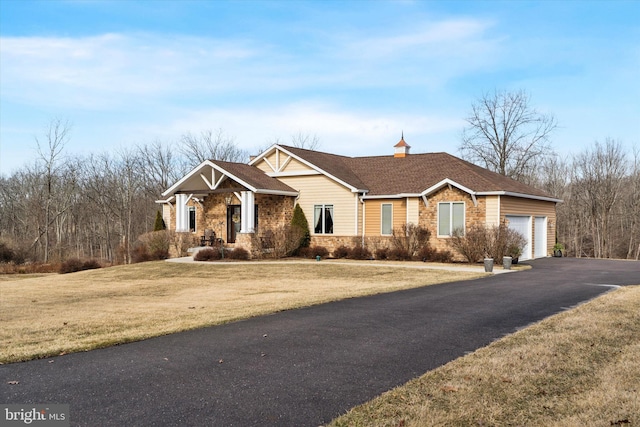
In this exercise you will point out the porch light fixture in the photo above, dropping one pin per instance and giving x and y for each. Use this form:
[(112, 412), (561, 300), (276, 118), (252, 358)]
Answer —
[(227, 200)]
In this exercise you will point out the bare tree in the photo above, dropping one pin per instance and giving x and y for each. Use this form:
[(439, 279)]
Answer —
[(50, 153), (210, 145), (506, 134), (599, 174), (305, 140), (160, 165), (631, 206)]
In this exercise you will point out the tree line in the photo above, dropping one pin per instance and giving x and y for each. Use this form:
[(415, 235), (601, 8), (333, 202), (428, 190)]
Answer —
[(95, 206), (600, 187)]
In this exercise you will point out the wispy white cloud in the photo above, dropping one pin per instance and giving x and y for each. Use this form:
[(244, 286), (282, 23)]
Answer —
[(339, 130), (111, 70), (105, 71), (437, 38)]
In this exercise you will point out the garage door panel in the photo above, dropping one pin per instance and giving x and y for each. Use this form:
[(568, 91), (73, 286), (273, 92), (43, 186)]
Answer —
[(540, 237), (522, 224)]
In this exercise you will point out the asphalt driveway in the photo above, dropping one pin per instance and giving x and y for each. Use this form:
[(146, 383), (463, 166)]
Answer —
[(304, 367)]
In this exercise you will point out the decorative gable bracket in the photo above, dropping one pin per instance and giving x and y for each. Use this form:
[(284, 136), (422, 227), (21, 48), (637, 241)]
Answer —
[(451, 184)]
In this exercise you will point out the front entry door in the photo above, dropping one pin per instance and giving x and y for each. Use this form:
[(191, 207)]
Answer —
[(233, 222)]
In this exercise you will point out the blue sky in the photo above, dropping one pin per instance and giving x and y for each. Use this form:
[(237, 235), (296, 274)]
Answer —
[(355, 74)]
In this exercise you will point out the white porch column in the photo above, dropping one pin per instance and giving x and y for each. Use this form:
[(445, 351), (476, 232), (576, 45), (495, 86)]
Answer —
[(182, 213), (247, 212)]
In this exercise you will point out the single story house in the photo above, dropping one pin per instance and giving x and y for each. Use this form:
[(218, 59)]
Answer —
[(356, 199)]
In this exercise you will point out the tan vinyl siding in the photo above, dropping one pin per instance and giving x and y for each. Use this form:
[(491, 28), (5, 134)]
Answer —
[(293, 165), (166, 216), (493, 210), (279, 161), (373, 221), (318, 190), (267, 167), (413, 210), (533, 208)]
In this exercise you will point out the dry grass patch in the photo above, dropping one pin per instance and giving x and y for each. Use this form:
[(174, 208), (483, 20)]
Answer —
[(578, 368), (53, 314), (14, 277)]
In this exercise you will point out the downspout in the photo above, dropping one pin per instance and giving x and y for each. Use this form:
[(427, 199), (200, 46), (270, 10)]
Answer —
[(356, 214), (364, 217)]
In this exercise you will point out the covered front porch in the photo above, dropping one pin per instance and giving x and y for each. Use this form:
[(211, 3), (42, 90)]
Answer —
[(227, 203)]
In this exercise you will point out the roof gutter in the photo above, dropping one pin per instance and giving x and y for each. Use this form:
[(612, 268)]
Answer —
[(521, 195)]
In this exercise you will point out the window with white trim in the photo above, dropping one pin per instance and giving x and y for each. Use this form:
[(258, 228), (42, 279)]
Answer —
[(323, 219), (192, 218), (450, 218), (386, 219)]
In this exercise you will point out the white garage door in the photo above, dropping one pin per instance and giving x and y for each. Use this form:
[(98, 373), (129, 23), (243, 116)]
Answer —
[(522, 224), (540, 237)]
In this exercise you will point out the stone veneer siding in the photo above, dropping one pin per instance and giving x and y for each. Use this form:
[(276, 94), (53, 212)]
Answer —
[(428, 215), (331, 242), (274, 211)]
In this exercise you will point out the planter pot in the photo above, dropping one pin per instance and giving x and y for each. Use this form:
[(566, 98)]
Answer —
[(488, 265), (506, 262), (557, 253), (514, 260)]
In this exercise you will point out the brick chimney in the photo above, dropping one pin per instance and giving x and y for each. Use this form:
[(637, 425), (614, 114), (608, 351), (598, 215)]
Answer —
[(401, 148)]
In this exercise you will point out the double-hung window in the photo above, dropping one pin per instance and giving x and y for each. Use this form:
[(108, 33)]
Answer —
[(450, 218), (386, 214), (323, 219)]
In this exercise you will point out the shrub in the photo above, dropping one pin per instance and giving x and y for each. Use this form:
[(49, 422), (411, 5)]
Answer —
[(359, 252), (9, 253), (6, 253), (284, 240), (182, 241), (160, 254), (495, 242), (157, 243), (410, 238), (342, 252), (427, 253), (315, 251), (442, 256), (238, 253), (398, 254), (299, 222), (91, 264), (159, 224), (382, 253), (139, 253), (74, 264), (473, 245), (303, 253), (207, 254), (70, 266), (506, 242)]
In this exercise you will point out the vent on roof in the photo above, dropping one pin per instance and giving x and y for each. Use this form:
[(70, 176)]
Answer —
[(401, 148)]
